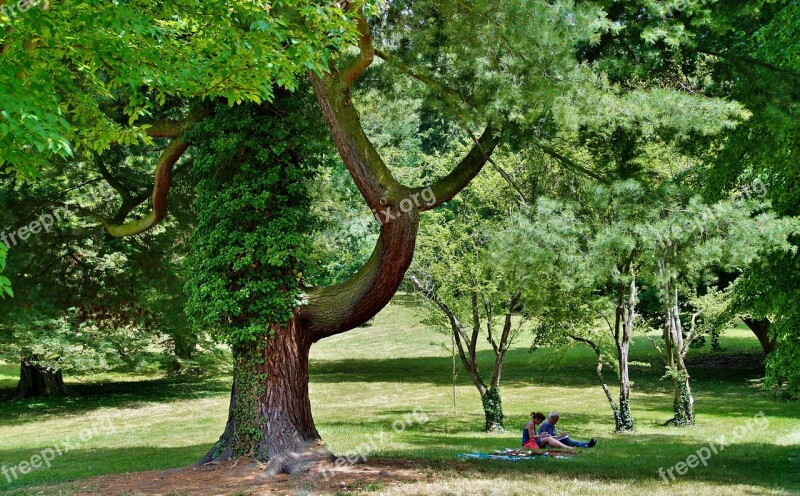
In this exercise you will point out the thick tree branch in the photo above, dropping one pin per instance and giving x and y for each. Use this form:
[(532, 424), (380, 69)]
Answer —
[(449, 186), (163, 179), (332, 310), (336, 309), (163, 176), (371, 175), (170, 128), (365, 57)]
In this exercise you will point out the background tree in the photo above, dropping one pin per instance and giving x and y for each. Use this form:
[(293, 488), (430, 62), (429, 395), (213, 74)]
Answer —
[(580, 263), (689, 238), (746, 51), (72, 275), (467, 297)]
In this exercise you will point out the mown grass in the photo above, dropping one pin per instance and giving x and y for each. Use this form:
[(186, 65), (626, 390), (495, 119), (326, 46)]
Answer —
[(367, 381)]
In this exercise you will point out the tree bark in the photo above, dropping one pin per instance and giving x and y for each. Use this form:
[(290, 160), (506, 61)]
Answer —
[(493, 410), (683, 403), (36, 381), (269, 416), (625, 418), (624, 317), (761, 329)]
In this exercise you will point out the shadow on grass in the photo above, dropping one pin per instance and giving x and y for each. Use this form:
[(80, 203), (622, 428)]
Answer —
[(83, 463), (627, 459), (521, 369), (112, 395), (622, 458)]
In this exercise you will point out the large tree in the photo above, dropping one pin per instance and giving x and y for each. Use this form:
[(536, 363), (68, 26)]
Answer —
[(506, 69)]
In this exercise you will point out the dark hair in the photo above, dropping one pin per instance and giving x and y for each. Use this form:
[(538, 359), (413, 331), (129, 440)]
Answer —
[(537, 415)]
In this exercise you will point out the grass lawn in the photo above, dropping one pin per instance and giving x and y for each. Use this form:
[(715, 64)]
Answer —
[(365, 385)]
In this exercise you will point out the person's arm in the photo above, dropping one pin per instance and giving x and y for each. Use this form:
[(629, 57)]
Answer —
[(532, 432)]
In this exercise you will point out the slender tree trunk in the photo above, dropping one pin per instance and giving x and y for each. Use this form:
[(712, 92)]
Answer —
[(36, 381), (625, 421), (270, 412), (682, 401), (599, 371), (624, 318)]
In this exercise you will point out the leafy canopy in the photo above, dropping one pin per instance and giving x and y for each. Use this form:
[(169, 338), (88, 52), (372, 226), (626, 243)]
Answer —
[(63, 66)]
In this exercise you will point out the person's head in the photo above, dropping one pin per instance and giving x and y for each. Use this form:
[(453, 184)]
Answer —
[(553, 418), (537, 417)]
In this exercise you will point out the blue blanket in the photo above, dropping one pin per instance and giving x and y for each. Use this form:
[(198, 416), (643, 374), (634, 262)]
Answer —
[(486, 456)]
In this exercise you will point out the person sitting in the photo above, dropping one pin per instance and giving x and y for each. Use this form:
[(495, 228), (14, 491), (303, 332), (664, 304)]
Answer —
[(549, 428), (531, 440)]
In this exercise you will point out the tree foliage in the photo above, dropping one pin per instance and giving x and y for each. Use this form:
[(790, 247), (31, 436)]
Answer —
[(62, 66), (5, 283), (251, 240)]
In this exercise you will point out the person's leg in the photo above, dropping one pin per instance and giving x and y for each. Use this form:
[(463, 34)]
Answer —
[(554, 443), (574, 444)]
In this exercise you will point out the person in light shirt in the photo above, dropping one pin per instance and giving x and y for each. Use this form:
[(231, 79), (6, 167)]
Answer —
[(531, 440), (549, 428)]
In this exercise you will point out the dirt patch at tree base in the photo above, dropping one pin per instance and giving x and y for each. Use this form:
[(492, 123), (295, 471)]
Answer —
[(248, 477)]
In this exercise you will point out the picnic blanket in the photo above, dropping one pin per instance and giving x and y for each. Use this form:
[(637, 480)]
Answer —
[(515, 455)]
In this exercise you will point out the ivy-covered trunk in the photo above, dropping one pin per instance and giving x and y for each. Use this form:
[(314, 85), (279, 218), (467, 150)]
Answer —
[(270, 412), (624, 417), (36, 381), (249, 248), (493, 410)]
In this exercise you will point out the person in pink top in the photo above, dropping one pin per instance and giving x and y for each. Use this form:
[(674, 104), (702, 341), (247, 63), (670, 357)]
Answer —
[(531, 440)]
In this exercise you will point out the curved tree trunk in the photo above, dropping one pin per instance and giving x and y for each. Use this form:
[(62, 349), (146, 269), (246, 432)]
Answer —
[(36, 381), (761, 329), (270, 412)]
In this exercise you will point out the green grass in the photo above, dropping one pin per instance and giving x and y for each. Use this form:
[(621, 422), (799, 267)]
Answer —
[(364, 381)]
